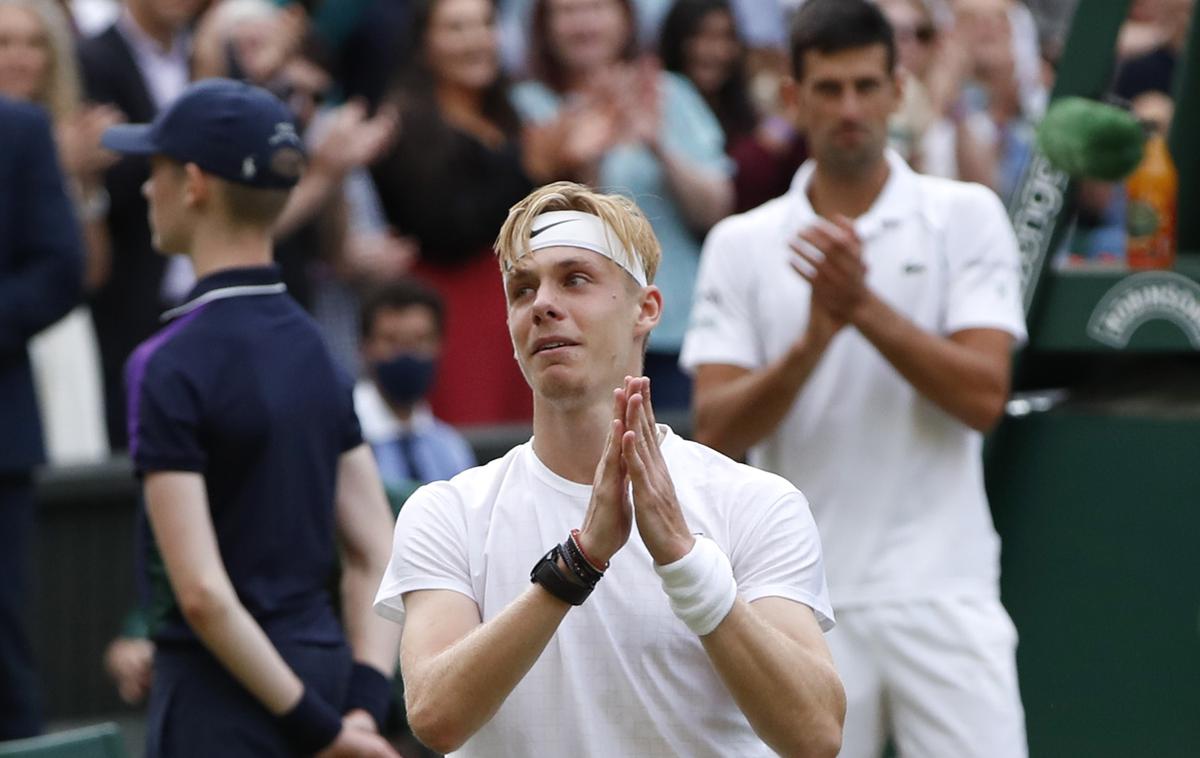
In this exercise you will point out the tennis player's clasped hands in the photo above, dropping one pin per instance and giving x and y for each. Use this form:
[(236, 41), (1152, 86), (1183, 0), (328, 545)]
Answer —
[(632, 455)]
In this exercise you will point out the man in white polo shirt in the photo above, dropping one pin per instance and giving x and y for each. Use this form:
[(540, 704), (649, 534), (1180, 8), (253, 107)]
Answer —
[(703, 636), (854, 336)]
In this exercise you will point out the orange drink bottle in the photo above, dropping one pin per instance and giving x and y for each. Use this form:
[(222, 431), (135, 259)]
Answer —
[(1152, 191)]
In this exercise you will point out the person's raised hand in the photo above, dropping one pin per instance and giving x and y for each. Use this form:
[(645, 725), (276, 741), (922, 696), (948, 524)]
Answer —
[(642, 100), (263, 45), (609, 518), (351, 140), (587, 130), (829, 256), (541, 151), (79, 146), (660, 519), (380, 256), (947, 73)]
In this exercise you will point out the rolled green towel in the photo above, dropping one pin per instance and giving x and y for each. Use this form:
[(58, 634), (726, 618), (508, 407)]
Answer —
[(1091, 140)]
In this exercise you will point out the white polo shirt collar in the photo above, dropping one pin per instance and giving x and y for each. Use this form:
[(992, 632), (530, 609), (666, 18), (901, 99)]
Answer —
[(898, 200)]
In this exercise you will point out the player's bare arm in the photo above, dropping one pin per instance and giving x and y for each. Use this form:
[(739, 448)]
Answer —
[(735, 407), (966, 373), (770, 654), (177, 507), (774, 660), (457, 670)]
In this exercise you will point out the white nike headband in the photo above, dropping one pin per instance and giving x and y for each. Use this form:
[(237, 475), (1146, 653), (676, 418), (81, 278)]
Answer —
[(586, 231)]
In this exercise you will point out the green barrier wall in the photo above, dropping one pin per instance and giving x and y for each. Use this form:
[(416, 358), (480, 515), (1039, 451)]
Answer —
[(1099, 513)]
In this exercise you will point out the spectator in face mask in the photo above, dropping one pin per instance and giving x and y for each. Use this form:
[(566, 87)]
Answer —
[(401, 342)]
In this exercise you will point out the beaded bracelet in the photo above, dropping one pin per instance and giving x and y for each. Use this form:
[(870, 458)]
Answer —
[(580, 568), (575, 539)]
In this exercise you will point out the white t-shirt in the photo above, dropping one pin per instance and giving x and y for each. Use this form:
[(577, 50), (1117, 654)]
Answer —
[(896, 483), (622, 676)]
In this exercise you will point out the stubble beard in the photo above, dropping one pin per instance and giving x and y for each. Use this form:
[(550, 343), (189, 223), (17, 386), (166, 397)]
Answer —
[(853, 163)]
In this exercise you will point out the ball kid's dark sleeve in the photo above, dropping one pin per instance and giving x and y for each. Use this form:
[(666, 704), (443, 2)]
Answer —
[(165, 416)]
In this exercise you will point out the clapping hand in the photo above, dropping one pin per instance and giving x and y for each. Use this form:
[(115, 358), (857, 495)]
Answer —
[(642, 101), (590, 128), (352, 140), (609, 518), (632, 456), (380, 256), (660, 520), (82, 156), (829, 257)]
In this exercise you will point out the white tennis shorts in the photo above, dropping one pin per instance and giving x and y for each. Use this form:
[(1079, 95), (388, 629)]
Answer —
[(938, 676)]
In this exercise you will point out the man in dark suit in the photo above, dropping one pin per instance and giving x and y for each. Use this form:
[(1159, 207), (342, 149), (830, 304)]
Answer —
[(139, 64), (41, 278)]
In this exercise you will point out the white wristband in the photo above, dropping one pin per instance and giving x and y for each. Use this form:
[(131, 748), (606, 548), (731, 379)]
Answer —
[(700, 586)]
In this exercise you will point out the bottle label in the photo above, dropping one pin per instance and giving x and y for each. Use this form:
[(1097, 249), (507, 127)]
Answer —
[(1142, 219), (1151, 238)]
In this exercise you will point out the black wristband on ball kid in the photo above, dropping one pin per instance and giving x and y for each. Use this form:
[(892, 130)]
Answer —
[(371, 691), (311, 725)]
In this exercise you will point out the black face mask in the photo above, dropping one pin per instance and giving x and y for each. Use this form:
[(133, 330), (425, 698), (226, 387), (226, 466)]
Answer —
[(405, 379)]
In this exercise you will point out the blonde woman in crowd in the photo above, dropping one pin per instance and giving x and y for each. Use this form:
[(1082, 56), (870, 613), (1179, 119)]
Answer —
[(37, 64)]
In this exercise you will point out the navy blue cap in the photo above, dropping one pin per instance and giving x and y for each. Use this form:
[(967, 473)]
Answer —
[(230, 129)]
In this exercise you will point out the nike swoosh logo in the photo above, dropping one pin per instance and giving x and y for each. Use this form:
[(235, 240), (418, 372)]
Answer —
[(536, 232)]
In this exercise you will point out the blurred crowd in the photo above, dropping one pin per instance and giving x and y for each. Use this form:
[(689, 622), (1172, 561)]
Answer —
[(427, 119)]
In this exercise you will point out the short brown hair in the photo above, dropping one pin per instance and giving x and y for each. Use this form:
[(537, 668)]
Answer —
[(251, 206), (831, 26), (398, 295), (621, 214)]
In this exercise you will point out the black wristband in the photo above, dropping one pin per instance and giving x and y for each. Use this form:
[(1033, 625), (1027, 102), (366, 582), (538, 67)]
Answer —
[(573, 568), (371, 691), (578, 563), (311, 725), (547, 573)]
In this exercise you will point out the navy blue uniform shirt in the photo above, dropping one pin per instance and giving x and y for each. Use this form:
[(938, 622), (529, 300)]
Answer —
[(239, 387)]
